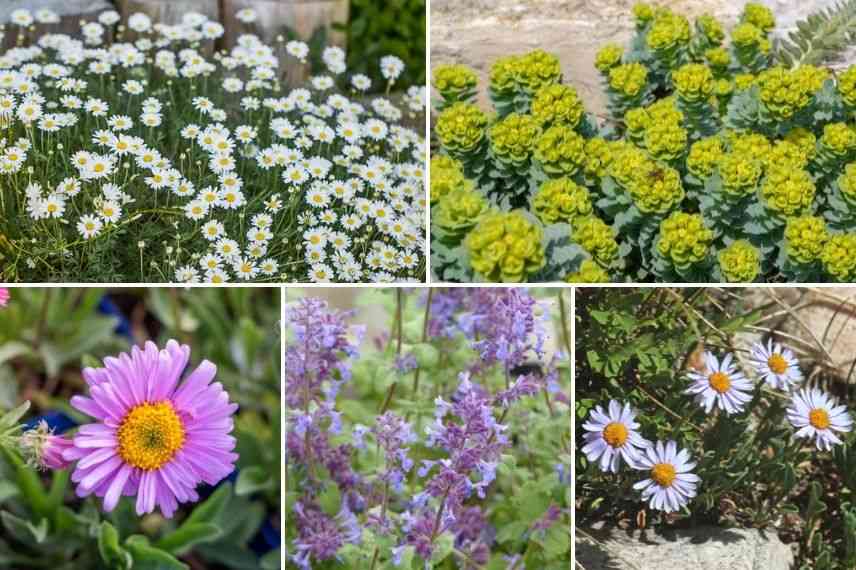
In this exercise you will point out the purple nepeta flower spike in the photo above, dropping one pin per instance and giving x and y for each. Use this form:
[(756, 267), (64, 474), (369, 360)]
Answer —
[(358, 434), (549, 518), (393, 434), (321, 351), (503, 326), (319, 536), (444, 304)]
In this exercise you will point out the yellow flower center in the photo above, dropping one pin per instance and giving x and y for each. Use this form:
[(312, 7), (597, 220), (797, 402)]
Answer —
[(615, 434), (664, 474), (777, 363), (150, 435), (819, 418), (720, 382)]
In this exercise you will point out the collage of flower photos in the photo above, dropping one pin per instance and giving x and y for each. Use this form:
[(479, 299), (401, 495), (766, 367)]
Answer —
[(427, 285)]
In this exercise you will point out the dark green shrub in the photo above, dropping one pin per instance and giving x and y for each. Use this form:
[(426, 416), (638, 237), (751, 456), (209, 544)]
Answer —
[(387, 27)]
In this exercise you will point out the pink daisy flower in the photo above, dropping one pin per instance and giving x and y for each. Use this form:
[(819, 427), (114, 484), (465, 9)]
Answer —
[(155, 437), (4, 296)]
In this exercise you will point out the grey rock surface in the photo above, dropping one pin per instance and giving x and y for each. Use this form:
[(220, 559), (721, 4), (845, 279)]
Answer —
[(702, 548), (61, 7)]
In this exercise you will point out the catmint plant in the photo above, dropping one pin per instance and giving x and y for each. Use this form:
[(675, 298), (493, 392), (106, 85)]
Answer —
[(426, 433)]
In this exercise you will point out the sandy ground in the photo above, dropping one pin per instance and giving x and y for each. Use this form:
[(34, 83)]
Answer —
[(477, 32)]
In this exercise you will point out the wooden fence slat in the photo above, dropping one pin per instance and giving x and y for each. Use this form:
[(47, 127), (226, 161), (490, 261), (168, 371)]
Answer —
[(302, 16), (274, 17)]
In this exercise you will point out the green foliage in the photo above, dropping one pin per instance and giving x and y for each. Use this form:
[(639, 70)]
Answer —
[(821, 36), (636, 346), (387, 27), (46, 337)]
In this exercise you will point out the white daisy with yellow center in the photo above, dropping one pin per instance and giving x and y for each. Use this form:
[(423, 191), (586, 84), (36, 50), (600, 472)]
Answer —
[(777, 365), (612, 436), (670, 484), (817, 416), (720, 384)]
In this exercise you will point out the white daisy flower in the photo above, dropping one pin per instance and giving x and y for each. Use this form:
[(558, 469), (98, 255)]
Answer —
[(216, 276), (246, 15), (210, 262), (46, 16), (213, 230), (268, 266), (186, 274), (139, 22), (297, 49), (196, 209), (54, 206), (245, 268), (670, 484), (777, 365), (391, 67), (818, 416), (720, 384), (361, 82), (110, 211), (89, 226), (612, 436), (320, 273), (227, 248), (21, 17)]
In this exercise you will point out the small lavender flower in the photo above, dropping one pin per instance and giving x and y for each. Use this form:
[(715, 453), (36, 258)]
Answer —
[(406, 363), (393, 433), (503, 326), (525, 385), (319, 536), (321, 351), (548, 519), (445, 303), (473, 440)]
